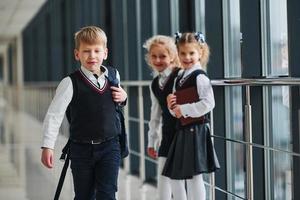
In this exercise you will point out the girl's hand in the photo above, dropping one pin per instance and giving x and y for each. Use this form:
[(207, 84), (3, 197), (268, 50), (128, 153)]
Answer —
[(177, 111), (47, 157), (118, 94), (171, 100), (151, 152)]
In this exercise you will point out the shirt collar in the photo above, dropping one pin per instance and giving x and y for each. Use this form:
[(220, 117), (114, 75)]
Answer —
[(90, 75), (166, 72), (193, 68)]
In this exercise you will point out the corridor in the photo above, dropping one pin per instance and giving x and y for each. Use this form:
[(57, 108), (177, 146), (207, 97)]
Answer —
[(22, 176)]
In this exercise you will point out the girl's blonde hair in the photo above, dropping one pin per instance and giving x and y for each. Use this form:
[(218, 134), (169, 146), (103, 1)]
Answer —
[(197, 39), (168, 43), (90, 35)]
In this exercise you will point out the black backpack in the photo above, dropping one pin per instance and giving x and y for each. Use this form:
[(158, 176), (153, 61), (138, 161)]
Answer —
[(112, 79)]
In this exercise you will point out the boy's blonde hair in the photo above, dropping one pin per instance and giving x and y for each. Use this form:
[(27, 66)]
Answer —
[(167, 42), (90, 35), (199, 41)]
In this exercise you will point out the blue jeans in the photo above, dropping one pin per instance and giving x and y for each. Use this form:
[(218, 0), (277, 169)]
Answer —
[(95, 169)]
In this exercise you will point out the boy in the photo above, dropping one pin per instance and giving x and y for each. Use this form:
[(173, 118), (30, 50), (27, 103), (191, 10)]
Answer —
[(94, 147)]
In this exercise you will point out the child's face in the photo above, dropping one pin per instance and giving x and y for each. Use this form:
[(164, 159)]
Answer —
[(189, 55), (159, 57), (91, 56)]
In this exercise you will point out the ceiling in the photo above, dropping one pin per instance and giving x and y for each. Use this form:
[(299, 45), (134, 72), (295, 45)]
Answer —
[(14, 16)]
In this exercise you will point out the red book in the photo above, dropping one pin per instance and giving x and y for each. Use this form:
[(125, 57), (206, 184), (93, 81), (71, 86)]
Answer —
[(188, 95)]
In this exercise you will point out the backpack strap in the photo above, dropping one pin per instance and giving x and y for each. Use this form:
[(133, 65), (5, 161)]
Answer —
[(112, 76), (113, 81), (66, 157)]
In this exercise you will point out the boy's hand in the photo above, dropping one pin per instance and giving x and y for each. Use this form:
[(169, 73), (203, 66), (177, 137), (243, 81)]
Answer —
[(151, 152), (171, 100), (47, 157), (118, 94)]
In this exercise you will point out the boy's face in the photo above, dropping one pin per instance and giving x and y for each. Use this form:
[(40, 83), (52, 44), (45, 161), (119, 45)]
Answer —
[(91, 56), (159, 57)]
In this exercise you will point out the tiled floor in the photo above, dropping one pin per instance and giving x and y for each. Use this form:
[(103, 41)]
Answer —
[(22, 177)]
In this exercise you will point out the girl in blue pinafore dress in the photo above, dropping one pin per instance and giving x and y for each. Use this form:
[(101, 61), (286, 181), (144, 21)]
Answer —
[(192, 152)]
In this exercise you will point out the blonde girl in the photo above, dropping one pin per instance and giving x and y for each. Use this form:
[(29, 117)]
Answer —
[(162, 57)]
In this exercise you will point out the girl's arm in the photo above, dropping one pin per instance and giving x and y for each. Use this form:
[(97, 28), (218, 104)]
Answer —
[(206, 102), (173, 107), (155, 121)]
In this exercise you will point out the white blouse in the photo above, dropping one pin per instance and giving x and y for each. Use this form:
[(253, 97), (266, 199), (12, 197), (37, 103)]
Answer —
[(206, 101), (156, 111)]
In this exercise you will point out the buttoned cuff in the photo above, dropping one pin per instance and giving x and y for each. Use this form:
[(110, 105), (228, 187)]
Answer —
[(184, 112)]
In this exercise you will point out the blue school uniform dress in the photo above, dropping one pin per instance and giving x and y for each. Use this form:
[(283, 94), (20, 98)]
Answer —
[(191, 152), (161, 91)]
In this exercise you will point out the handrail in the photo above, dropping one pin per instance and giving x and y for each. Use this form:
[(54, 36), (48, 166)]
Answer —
[(257, 81), (273, 81), (257, 145), (247, 82), (214, 82)]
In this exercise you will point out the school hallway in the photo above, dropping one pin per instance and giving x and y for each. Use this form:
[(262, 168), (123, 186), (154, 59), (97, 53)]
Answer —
[(253, 67), (23, 177)]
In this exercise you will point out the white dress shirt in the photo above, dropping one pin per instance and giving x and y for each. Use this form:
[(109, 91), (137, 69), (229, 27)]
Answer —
[(156, 111), (60, 102), (206, 101)]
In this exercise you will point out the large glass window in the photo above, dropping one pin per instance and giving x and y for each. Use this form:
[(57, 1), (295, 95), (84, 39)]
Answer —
[(279, 138), (278, 38), (236, 152), (278, 133), (1, 67), (234, 109)]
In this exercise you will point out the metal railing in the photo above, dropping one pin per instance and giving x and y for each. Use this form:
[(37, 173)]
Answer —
[(247, 83), (37, 97)]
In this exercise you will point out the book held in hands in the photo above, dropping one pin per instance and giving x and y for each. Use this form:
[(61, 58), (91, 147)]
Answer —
[(188, 95)]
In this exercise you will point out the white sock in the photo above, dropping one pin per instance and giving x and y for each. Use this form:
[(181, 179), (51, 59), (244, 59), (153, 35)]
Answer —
[(178, 189), (196, 188), (163, 182)]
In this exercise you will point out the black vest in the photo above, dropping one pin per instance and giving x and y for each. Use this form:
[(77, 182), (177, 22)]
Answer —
[(190, 81), (168, 121), (91, 112)]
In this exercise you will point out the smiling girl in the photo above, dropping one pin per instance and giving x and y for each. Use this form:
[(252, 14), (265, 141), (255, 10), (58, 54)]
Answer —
[(191, 152), (162, 57)]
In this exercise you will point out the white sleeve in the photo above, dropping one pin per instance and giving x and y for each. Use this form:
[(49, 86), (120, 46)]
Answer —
[(155, 121), (56, 112), (206, 99)]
